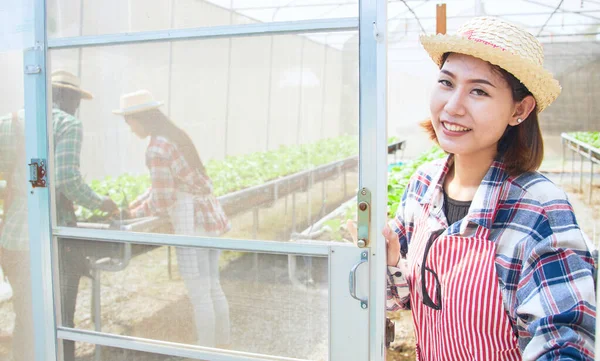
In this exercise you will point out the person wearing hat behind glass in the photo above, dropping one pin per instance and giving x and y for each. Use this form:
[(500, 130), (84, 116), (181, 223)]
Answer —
[(70, 187), (182, 191), (485, 250)]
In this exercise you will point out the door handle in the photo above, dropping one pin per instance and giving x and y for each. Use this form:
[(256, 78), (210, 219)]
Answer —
[(364, 257)]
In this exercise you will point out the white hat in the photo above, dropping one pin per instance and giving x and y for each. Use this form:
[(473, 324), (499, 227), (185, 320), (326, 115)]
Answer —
[(65, 79), (138, 101), (504, 44)]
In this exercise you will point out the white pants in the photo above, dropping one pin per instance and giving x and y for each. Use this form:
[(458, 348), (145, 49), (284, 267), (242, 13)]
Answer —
[(199, 269)]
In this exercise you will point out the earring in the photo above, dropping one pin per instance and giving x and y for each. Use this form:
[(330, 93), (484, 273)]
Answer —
[(519, 120)]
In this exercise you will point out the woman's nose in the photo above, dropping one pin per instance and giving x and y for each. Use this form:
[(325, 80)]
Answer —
[(455, 104)]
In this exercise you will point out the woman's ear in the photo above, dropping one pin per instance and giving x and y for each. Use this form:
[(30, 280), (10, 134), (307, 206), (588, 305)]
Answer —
[(522, 110)]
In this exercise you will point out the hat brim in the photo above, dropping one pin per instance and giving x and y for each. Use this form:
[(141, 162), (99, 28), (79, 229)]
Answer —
[(84, 94), (539, 81), (138, 108)]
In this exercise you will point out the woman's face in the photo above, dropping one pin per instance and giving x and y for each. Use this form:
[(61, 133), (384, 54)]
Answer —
[(135, 123), (471, 106)]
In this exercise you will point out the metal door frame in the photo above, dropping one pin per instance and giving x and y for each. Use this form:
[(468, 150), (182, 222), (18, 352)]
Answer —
[(373, 175)]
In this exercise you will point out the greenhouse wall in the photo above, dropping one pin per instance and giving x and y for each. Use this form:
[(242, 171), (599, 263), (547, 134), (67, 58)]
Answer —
[(577, 108), (233, 96)]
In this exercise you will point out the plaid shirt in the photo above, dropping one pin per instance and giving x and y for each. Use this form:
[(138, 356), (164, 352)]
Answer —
[(68, 134), (170, 173), (543, 260)]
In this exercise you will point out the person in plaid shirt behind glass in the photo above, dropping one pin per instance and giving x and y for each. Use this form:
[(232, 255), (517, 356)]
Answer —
[(484, 250), (70, 188), (182, 191)]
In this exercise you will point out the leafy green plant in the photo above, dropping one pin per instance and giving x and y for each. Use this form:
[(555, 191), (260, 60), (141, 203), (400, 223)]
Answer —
[(239, 172), (337, 225), (122, 190), (398, 177), (591, 138), (235, 172)]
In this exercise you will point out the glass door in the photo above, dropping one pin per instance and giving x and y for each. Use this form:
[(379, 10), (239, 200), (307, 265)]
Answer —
[(203, 159)]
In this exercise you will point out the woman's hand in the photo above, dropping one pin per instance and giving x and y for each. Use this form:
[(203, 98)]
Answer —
[(392, 242), (392, 245)]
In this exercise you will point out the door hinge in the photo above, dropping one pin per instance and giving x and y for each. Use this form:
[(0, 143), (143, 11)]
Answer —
[(37, 173), (32, 69)]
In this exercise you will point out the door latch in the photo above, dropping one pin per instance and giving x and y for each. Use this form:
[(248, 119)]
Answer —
[(390, 332), (364, 217), (37, 173)]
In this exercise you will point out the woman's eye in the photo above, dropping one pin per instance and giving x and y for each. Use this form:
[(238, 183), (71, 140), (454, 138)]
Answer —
[(479, 92), (444, 82)]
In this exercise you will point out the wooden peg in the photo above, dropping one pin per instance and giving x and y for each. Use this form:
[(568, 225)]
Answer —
[(440, 19)]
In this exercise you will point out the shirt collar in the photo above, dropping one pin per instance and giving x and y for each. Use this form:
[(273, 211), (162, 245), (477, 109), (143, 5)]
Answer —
[(483, 207)]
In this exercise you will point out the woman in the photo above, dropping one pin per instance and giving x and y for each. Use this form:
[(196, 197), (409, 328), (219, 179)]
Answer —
[(182, 190), (496, 265)]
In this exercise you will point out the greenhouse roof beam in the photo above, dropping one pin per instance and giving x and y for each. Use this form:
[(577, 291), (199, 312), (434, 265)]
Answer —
[(581, 13), (275, 28), (266, 7)]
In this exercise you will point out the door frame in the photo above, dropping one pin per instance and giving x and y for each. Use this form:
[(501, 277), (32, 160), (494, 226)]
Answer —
[(372, 26)]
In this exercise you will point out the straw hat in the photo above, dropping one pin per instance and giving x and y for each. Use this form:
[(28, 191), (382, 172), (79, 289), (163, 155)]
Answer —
[(138, 101), (501, 43), (65, 79)]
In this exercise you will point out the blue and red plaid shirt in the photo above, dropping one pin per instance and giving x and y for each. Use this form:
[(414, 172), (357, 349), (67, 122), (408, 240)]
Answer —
[(170, 173), (543, 259)]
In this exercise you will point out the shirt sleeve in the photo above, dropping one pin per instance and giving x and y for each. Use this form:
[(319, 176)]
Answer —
[(162, 194), (67, 162), (138, 207), (397, 286), (556, 305)]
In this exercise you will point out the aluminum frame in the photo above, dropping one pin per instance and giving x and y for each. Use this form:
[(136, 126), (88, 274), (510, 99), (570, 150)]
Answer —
[(38, 199), (275, 28), (163, 347), (309, 248), (372, 125), (373, 146)]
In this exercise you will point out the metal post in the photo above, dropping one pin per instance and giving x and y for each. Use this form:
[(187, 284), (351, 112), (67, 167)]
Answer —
[(169, 262), (563, 161), (345, 185), (97, 309), (294, 212), (323, 199), (572, 166), (255, 223), (309, 197), (38, 131), (591, 179), (581, 173), (255, 236)]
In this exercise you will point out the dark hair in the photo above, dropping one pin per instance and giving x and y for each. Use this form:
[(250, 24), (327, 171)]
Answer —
[(521, 147), (158, 124)]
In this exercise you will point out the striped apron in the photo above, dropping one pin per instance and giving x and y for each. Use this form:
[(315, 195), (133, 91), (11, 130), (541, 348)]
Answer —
[(465, 318)]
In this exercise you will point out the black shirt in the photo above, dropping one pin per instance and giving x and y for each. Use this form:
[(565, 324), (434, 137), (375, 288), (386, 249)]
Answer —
[(455, 210)]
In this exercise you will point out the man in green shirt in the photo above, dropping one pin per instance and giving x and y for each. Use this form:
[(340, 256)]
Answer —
[(70, 188)]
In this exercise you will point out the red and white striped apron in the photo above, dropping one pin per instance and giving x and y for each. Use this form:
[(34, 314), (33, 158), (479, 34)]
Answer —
[(472, 323)]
